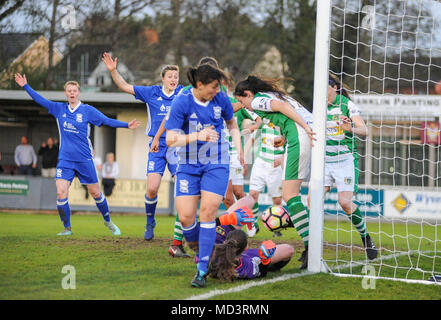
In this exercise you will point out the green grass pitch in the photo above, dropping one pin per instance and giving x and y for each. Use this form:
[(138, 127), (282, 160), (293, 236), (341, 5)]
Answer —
[(128, 267)]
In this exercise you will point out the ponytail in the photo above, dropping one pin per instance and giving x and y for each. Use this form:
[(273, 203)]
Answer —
[(226, 256)]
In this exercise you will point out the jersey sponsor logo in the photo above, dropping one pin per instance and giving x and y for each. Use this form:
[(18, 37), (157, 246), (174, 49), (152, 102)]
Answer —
[(334, 131), (217, 112), (79, 117), (262, 104), (183, 186), (70, 127)]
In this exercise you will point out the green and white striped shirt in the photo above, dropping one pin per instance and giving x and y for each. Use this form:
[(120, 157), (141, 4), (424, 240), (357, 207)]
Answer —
[(340, 144), (267, 151)]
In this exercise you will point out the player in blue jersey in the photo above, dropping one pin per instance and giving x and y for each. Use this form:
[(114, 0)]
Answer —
[(158, 100), (74, 120), (195, 124)]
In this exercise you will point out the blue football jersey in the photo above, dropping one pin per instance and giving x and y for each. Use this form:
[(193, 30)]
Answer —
[(188, 115), (74, 126), (158, 105)]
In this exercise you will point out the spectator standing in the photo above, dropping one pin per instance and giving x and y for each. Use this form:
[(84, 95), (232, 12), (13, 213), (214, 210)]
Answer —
[(25, 157), (49, 153), (109, 173)]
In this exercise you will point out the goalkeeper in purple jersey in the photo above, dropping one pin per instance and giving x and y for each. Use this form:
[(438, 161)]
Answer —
[(232, 259), (75, 158)]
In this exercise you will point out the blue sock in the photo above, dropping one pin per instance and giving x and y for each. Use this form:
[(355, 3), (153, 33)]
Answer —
[(64, 211), (102, 206), (150, 208), (207, 237), (191, 233)]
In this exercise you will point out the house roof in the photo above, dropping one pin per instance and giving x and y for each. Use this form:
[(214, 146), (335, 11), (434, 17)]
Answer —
[(14, 44)]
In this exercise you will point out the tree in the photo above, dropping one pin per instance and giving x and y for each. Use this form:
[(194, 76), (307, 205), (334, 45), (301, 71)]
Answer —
[(7, 8)]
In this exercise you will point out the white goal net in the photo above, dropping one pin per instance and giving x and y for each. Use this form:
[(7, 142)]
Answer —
[(388, 54)]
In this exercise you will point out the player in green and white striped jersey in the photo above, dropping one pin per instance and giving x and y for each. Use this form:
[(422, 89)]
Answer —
[(267, 170), (266, 99), (344, 122), (237, 172)]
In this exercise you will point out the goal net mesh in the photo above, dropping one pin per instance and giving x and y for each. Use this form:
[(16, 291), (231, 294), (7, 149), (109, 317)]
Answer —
[(388, 54)]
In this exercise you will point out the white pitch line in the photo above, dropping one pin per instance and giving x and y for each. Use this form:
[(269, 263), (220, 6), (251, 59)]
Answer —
[(250, 284), (256, 283)]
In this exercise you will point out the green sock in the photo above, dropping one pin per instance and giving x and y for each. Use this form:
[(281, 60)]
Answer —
[(256, 213), (358, 222), (178, 234), (299, 217)]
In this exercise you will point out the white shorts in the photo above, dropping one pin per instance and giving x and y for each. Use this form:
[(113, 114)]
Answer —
[(236, 176), (264, 174), (342, 173)]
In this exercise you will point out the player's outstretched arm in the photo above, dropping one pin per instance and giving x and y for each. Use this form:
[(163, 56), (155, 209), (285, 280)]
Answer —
[(134, 124), (22, 82), (117, 78), (288, 110)]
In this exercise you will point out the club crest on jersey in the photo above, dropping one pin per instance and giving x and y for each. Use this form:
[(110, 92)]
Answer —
[(163, 108), (348, 181), (79, 117), (217, 112), (183, 186)]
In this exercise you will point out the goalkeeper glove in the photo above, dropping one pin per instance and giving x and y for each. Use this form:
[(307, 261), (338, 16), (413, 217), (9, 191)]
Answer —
[(266, 251), (238, 217)]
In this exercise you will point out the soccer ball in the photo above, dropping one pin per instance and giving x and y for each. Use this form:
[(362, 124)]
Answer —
[(275, 218)]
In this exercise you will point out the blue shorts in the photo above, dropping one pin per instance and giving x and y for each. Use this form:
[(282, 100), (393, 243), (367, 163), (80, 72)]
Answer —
[(85, 171), (156, 161), (192, 179)]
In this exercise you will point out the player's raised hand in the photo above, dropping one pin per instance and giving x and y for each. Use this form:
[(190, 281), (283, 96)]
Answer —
[(134, 124), (109, 62), (21, 79)]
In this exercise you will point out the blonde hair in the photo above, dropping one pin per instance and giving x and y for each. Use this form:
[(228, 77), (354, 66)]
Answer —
[(71, 82)]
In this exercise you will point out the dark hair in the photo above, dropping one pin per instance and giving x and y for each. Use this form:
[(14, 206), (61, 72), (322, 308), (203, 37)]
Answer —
[(341, 87), (257, 84), (210, 61), (226, 256), (170, 67), (205, 74)]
